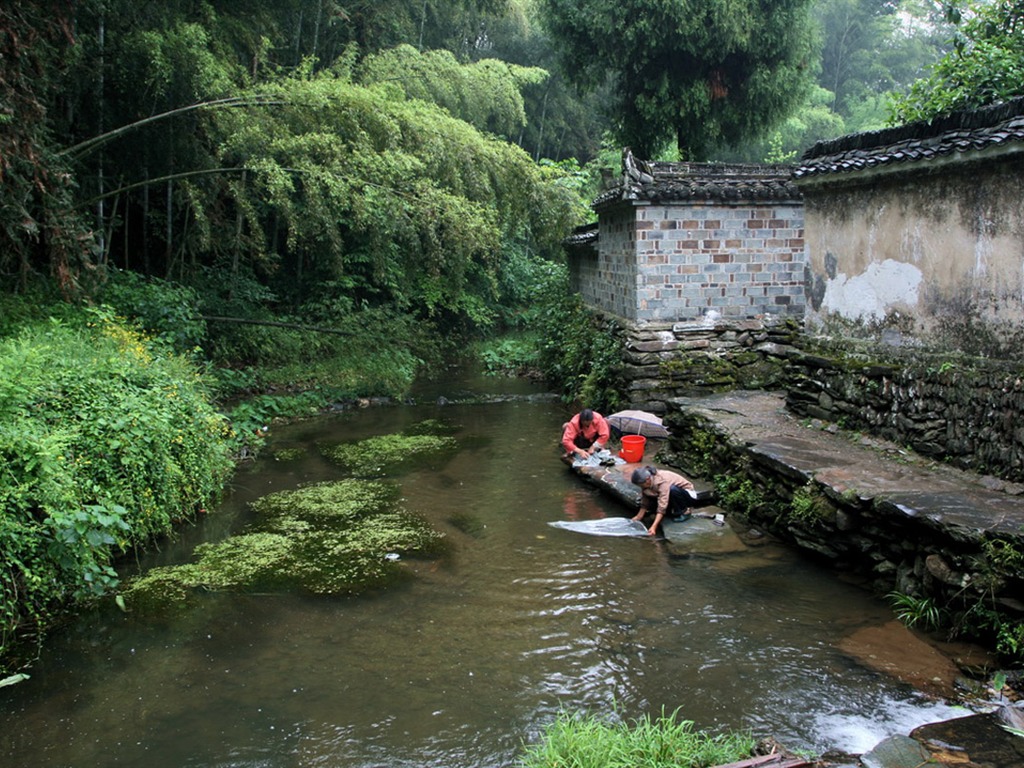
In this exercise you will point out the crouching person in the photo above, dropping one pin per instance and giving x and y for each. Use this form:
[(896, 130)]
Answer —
[(584, 434), (662, 493)]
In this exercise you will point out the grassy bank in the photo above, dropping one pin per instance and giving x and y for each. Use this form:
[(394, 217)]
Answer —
[(107, 439)]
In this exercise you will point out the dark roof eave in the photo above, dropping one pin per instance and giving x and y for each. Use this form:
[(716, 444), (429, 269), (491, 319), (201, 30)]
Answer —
[(967, 136)]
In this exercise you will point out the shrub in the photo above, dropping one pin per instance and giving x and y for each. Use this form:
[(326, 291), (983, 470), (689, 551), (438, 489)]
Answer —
[(106, 439)]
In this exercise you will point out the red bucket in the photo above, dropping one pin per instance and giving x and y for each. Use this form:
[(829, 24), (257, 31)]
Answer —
[(633, 448)]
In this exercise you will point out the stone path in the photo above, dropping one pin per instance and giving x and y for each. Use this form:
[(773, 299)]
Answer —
[(896, 479)]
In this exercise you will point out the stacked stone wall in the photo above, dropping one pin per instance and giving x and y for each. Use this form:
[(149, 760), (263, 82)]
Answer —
[(662, 361), (863, 534), (965, 414)]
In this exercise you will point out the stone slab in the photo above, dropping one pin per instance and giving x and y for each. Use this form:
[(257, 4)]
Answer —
[(894, 479)]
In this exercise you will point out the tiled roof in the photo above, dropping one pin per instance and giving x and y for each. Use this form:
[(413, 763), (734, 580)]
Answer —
[(998, 125), (658, 182), (582, 236)]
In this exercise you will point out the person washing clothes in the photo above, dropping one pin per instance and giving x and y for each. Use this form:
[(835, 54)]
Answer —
[(662, 493), (584, 434)]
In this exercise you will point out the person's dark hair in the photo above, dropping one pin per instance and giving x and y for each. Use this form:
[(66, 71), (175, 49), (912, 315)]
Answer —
[(586, 415), (641, 475)]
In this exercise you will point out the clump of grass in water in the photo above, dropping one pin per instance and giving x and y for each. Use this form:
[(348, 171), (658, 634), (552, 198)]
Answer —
[(375, 456), (584, 741), (326, 539)]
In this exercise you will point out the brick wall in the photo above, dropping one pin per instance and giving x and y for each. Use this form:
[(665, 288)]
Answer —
[(607, 278), (739, 261)]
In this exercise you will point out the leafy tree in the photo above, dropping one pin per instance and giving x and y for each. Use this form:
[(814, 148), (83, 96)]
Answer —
[(562, 122), (699, 73), (812, 121), (486, 93), (871, 47), (38, 227), (393, 200), (985, 66)]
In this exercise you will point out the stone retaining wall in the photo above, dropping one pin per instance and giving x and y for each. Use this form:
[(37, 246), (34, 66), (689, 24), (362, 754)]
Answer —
[(663, 361), (953, 545), (966, 416), (964, 413)]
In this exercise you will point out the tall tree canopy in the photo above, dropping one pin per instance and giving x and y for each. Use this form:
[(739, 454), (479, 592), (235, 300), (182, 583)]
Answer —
[(699, 72)]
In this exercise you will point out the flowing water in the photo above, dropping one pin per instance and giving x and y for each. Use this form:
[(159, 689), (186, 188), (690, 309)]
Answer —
[(471, 657)]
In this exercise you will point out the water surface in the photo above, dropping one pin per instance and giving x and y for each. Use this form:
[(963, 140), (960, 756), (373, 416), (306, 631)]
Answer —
[(473, 655)]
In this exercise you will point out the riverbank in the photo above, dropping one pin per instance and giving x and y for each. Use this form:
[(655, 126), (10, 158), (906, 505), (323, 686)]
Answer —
[(894, 522)]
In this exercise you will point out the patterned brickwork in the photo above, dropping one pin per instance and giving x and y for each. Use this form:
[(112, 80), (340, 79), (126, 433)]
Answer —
[(739, 261), (679, 242)]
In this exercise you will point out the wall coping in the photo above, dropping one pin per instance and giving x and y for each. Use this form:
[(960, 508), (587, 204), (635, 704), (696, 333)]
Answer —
[(661, 183), (989, 132)]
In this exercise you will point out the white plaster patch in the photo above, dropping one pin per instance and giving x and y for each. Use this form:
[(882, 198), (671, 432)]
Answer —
[(870, 294)]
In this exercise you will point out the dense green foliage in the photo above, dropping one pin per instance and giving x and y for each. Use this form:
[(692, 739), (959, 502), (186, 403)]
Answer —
[(695, 74), (275, 166), (106, 439), (559, 337), (985, 65), (583, 741)]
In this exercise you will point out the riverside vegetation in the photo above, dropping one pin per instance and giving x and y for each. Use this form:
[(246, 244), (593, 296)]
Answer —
[(113, 431)]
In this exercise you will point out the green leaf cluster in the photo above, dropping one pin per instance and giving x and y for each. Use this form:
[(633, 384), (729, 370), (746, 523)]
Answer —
[(578, 352), (106, 439), (985, 65), (694, 74), (487, 93)]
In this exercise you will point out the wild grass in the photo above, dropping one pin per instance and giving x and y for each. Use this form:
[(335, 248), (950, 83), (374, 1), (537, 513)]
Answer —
[(586, 741)]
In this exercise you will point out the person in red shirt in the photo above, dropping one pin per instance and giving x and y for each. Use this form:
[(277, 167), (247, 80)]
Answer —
[(662, 493), (584, 434)]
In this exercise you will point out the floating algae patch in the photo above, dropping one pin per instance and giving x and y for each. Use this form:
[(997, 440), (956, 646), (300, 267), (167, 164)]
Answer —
[(288, 454), (339, 503), (377, 456), (338, 538), (431, 427)]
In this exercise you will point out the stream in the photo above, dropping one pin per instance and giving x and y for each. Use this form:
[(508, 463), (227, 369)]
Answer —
[(477, 651)]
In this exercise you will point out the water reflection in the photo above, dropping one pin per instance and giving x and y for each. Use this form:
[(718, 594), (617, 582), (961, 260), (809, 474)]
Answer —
[(479, 650)]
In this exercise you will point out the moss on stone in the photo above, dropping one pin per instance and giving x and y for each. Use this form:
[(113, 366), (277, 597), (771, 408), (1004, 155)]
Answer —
[(336, 538)]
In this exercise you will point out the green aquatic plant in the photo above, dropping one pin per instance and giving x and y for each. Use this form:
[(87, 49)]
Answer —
[(430, 427), (809, 505), (340, 502), (288, 454), (377, 456), (468, 523), (338, 538), (585, 741)]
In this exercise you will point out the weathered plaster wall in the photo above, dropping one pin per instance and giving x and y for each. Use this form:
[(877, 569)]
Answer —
[(925, 251)]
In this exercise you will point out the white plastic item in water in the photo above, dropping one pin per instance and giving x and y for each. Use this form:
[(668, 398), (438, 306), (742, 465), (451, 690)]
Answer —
[(605, 526)]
